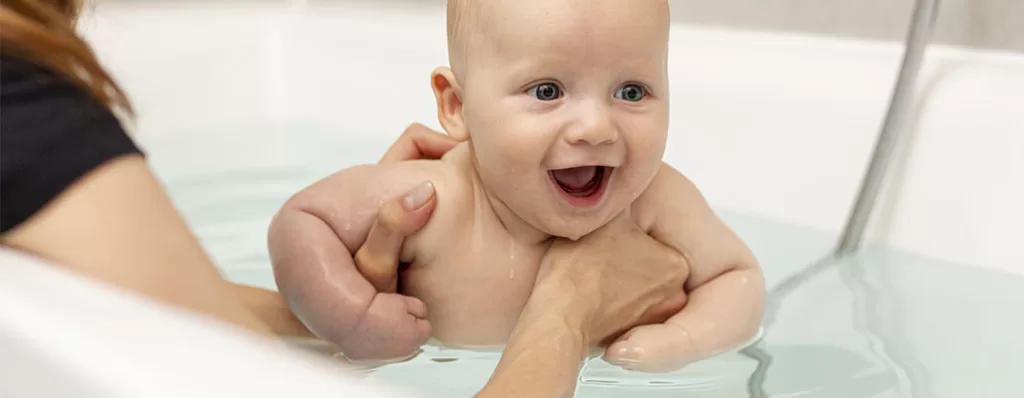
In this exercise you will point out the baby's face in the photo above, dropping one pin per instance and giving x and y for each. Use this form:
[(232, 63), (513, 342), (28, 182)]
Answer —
[(566, 104)]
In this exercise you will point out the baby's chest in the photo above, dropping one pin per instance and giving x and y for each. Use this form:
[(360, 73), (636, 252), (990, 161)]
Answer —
[(475, 289), (484, 267)]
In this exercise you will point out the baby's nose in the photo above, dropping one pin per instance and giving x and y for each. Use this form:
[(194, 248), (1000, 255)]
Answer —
[(595, 130)]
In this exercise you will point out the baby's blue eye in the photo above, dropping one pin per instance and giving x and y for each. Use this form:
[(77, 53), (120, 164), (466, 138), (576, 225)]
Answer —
[(545, 92), (631, 93)]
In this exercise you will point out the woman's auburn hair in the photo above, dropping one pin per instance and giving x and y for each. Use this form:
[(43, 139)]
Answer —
[(43, 32)]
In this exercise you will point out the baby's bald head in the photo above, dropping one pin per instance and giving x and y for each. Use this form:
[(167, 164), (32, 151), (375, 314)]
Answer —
[(491, 23), (463, 18)]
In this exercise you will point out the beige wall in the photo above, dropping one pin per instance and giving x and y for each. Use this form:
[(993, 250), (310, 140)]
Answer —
[(996, 24)]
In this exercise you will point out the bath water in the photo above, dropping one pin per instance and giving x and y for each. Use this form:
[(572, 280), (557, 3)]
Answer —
[(884, 324)]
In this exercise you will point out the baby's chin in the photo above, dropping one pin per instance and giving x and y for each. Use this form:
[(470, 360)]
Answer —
[(574, 228)]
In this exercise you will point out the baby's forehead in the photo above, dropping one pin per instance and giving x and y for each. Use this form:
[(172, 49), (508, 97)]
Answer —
[(535, 24)]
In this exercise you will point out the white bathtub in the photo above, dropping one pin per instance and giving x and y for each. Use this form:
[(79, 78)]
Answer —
[(242, 105), (773, 126)]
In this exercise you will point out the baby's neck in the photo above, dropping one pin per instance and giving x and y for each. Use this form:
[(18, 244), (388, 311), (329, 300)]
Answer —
[(520, 230), (517, 228)]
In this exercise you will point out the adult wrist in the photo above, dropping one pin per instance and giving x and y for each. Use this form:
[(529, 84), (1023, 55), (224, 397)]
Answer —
[(556, 301), (544, 354)]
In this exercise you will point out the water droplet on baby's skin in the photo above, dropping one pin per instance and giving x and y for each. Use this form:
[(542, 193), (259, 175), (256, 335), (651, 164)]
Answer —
[(348, 226), (511, 259)]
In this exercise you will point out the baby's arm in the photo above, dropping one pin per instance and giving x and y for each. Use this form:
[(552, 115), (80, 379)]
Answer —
[(311, 242), (725, 286)]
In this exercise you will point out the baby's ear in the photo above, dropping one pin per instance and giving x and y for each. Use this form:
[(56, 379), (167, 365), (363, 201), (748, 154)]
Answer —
[(448, 95)]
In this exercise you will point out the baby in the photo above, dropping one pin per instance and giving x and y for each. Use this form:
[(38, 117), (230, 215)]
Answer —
[(562, 109)]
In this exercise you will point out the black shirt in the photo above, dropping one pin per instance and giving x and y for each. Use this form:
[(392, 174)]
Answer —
[(51, 133)]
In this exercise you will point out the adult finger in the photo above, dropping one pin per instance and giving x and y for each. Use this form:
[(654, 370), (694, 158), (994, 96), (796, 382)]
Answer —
[(656, 314), (377, 259), (419, 142), (653, 348), (656, 344)]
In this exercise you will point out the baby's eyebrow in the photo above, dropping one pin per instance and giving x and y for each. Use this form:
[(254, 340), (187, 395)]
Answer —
[(524, 68)]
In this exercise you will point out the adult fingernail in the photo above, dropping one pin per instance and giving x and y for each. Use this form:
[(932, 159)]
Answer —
[(628, 355), (419, 196)]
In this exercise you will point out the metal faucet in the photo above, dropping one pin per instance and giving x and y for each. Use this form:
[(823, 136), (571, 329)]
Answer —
[(922, 25)]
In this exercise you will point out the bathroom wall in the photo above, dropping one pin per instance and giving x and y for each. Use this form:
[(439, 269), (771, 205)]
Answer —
[(992, 24)]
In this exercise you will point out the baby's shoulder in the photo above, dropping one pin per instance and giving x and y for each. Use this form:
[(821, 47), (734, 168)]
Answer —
[(456, 207), (668, 191), (349, 199)]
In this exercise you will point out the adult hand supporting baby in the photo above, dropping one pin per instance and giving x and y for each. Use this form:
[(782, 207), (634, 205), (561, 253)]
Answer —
[(587, 293), (418, 142), (377, 258), (618, 275)]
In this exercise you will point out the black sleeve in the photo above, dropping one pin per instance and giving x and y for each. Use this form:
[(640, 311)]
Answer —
[(51, 133)]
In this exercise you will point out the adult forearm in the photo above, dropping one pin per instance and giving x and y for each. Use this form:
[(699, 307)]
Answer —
[(271, 308), (543, 356)]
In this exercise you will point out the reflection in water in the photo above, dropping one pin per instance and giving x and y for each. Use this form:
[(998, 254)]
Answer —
[(872, 310), (755, 383), (883, 325), (811, 370), (922, 328), (824, 371)]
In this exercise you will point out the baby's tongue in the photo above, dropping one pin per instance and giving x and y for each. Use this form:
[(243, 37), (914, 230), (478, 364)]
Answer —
[(576, 177)]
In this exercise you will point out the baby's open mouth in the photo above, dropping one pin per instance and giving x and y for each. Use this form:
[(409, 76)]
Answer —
[(584, 185)]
